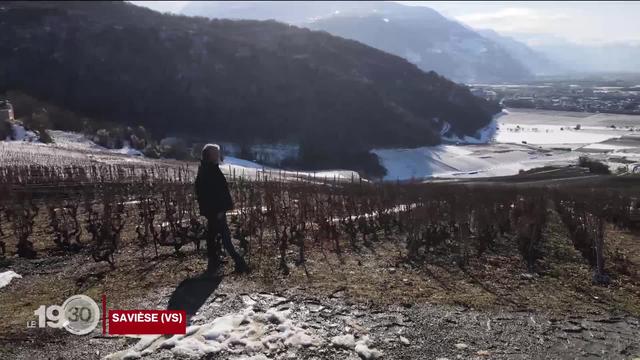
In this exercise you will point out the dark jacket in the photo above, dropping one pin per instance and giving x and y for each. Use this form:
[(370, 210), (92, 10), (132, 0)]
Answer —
[(212, 190)]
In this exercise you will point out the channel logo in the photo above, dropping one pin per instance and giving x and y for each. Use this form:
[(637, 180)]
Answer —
[(80, 315)]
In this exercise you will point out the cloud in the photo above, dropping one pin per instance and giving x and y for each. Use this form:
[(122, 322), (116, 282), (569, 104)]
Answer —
[(513, 19)]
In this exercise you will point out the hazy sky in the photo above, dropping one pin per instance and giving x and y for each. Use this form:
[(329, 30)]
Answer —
[(582, 22)]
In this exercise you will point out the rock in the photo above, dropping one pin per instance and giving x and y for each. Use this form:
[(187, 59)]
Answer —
[(338, 294), (610, 320), (260, 357), (404, 340), (357, 327), (461, 346), (392, 270), (247, 300), (483, 353), (572, 328), (527, 276)]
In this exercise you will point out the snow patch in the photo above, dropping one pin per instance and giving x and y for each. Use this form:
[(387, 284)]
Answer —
[(20, 133), (235, 167), (78, 141), (599, 147), (7, 276), (229, 160), (423, 162), (345, 341), (269, 327), (248, 332), (270, 154), (481, 136), (551, 134), (73, 140), (364, 350), (255, 357), (128, 151)]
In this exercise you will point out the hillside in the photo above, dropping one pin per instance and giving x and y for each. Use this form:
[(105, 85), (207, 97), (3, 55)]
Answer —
[(242, 81), (537, 62), (416, 33)]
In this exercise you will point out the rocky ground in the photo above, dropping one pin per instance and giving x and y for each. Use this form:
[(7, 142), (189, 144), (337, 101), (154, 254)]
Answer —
[(370, 303), (339, 329)]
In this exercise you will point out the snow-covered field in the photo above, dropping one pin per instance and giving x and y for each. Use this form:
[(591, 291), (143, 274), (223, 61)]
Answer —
[(74, 149), (519, 140), (452, 161), (248, 169)]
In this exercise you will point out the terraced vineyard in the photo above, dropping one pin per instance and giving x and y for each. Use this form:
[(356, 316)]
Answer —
[(278, 220)]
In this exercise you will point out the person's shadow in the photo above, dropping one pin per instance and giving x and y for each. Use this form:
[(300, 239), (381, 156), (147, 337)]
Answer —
[(193, 292)]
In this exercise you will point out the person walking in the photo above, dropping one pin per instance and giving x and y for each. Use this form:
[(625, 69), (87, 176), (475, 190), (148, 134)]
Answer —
[(214, 201)]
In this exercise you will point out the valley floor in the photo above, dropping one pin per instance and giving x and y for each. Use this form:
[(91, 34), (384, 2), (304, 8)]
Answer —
[(521, 140)]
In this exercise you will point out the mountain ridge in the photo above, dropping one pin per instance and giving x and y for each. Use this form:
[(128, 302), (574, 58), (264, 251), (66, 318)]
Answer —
[(417, 33), (242, 81), (537, 62)]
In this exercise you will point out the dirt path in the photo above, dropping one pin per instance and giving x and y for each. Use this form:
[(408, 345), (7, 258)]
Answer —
[(421, 331)]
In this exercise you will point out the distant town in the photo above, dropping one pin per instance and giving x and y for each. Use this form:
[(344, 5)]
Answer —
[(616, 98)]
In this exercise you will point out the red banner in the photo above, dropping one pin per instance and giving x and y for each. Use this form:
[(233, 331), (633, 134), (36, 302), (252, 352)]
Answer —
[(147, 322)]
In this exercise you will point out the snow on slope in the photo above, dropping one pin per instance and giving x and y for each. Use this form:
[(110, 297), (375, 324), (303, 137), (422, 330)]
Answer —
[(449, 161), (235, 167), (482, 136), (70, 148), (78, 141), (403, 164), (271, 154), (7, 276), (514, 141), (241, 163), (73, 140), (128, 151), (22, 134)]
